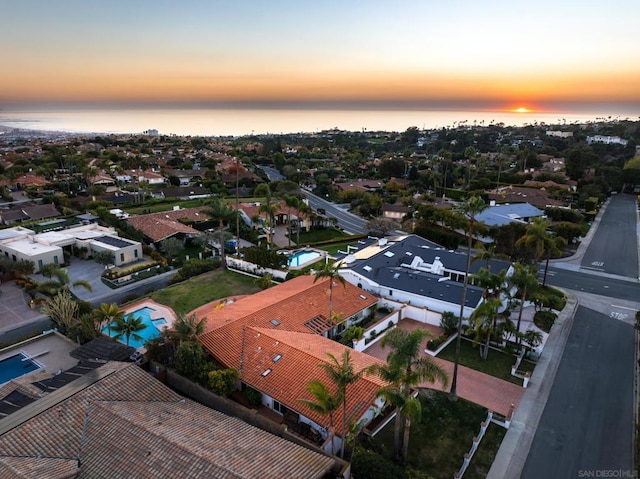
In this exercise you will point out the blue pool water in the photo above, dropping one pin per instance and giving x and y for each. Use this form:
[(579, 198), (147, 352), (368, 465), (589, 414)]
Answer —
[(14, 367), (302, 257), (152, 329)]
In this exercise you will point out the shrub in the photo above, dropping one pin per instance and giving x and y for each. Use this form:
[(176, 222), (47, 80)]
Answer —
[(449, 323), (435, 343), (254, 397), (544, 320), (195, 267), (222, 381), (369, 464)]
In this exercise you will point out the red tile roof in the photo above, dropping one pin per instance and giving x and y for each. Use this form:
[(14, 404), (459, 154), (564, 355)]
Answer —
[(159, 226), (249, 332)]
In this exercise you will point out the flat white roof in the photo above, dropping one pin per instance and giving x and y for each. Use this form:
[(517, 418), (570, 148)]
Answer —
[(30, 248), (14, 232)]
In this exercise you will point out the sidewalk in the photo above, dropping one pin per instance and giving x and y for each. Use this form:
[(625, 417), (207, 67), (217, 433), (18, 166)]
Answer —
[(512, 455)]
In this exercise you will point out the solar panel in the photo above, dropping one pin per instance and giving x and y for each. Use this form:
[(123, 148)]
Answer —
[(113, 241)]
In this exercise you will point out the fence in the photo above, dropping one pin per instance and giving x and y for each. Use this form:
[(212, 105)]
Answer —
[(419, 313), (374, 333), (253, 268), (474, 446)]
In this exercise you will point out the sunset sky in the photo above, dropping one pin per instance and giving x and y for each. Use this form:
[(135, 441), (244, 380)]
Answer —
[(491, 54)]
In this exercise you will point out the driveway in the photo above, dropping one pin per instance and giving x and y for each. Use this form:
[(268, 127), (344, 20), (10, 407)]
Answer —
[(495, 394), (14, 311)]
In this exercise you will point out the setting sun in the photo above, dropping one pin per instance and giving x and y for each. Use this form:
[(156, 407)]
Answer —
[(521, 110)]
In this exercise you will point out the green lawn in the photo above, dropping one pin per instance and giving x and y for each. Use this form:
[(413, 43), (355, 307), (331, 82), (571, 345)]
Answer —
[(334, 248), (168, 206), (315, 236), (443, 435), (498, 364), (188, 295)]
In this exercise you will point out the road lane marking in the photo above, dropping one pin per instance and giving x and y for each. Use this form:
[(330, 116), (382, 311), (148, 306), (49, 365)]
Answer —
[(622, 307)]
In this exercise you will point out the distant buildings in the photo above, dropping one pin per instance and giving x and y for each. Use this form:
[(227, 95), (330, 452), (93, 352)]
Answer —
[(607, 140)]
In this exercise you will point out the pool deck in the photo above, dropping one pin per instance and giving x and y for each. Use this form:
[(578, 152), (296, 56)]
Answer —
[(50, 352)]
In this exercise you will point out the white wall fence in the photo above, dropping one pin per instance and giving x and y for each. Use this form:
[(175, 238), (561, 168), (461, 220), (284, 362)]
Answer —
[(400, 310), (525, 376), (376, 330), (253, 268), (474, 446)]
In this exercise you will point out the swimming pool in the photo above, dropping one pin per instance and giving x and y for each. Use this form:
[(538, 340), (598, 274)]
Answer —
[(16, 366), (152, 329), (302, 257)]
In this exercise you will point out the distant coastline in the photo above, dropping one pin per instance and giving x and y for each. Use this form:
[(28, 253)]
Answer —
[(240, 122)]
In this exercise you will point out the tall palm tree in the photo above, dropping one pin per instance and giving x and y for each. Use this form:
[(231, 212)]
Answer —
[(342, 374), (269, 208), (526, 282), (543, 242), (470, 208), (128, 326), (404, 370), (331, 271), (105, 315), (292, 202), (485, 319), (324, 403), (218, 210)]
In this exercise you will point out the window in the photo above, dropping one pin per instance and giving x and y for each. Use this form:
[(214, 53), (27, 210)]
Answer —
[(122, 257), (55, 259), (135, 253), (390, 292), (39, 264), (279, 407)]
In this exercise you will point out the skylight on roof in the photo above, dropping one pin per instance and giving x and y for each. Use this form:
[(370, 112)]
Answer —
[(408, 253), (275, 322), (277, 357), (367, 268), (396, 275), (266, 372), (389, 254)]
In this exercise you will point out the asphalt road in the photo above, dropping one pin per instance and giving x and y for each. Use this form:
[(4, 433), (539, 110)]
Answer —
[(587, 424), (614, 247), (593, 284), (347, 221)]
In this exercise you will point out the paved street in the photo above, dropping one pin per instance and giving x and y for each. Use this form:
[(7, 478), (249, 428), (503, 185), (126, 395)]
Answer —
[(587, 423), (347, 221), (614, 247)]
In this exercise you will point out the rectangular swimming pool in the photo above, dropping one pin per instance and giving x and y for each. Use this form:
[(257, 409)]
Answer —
[(16, 366)]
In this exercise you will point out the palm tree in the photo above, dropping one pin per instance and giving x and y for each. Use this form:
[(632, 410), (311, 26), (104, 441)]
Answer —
[(331, 271), (404, 370), (542, 241), (342, 374), (128, 326), (324, 403), (218, 210), (188, 327), (106, 314), (526, 281), (59, 281), (470, 209), (292, 202), (270, 209), (485, 318)]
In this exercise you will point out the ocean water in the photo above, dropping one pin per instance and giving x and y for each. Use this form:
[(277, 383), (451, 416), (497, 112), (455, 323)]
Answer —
[(238, 122)]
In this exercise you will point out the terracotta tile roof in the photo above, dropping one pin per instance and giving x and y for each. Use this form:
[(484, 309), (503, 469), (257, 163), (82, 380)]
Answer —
[(286, 317), (298, 363), (127, 424), (159, 226)]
